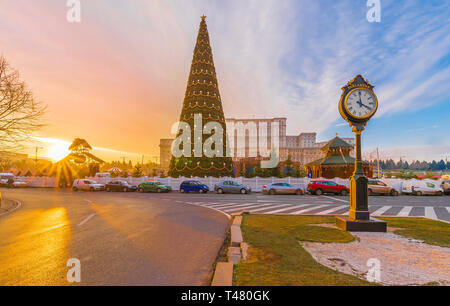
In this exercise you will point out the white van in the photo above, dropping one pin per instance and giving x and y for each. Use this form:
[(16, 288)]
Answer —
[(420, 188), (87, 185)]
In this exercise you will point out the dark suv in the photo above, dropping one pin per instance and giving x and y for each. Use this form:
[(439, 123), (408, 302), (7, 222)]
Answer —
[(193, 186), (321, 187), (120, 186)]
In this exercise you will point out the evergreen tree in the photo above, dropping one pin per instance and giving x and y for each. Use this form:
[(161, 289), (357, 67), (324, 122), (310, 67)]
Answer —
[(137, 171), (202, 97), (289, 166), (441, 165)]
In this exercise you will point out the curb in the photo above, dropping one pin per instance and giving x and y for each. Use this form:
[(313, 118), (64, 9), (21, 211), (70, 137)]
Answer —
[(223, 275), (18, 205)]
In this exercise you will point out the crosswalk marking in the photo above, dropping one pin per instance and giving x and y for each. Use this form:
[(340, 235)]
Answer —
[(430, 213), (329, 211), (220, 206), (405, 211), (381, 210), (246, 207), (320, 208), (345, 201), (217, 205), (271, 212), (285, 209), (308, 209)]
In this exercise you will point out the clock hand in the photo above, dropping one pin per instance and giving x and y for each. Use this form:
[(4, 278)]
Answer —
[(366, 106)]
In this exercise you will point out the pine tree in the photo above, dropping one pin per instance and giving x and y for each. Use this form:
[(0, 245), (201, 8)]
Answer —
[(202, 97)]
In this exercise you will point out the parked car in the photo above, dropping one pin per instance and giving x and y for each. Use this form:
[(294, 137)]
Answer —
[(120, 186), (231, 187), (87, 185), (19, 184), (379, 187), (5, 177), (193, 186), (420, 188), (153, 187), (282, 188), (446, 186), (321, 187)]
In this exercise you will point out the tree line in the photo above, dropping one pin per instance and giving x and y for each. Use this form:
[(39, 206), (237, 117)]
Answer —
[(415, 165)]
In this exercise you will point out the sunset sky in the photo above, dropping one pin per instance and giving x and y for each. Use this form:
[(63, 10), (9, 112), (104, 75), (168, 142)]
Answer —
[(118, 78)]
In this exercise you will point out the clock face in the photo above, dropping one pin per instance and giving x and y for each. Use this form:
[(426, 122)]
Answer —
[(361, 103)]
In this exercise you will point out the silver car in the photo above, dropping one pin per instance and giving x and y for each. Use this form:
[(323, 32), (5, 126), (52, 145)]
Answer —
[(231, 187), (282, 188)]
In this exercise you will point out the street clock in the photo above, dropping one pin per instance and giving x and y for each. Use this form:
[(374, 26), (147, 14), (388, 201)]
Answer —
[(358, 102), (357, 105)]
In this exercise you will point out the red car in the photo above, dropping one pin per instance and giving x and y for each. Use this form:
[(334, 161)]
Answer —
[(321, 187)]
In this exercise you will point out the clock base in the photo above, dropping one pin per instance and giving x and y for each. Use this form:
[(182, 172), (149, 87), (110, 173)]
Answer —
[(372, 225)]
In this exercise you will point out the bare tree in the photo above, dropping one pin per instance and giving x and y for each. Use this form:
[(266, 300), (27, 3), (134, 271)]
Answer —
[(5, 164), (20, 113)]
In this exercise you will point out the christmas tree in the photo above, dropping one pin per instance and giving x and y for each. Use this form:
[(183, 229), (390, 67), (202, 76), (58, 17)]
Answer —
[(202, 97)]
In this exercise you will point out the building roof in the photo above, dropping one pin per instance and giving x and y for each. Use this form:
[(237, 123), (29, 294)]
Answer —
[(333, 160), (337, 143)]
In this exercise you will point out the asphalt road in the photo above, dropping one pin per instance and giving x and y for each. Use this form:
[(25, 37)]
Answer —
[(119, 238), (149, 239), (433, 207)]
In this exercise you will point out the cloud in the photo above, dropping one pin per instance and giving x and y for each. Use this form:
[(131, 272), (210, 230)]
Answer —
[(410, 153), (123, 70)]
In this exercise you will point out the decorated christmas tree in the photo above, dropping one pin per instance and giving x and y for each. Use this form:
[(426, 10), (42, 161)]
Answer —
[(202, 107)]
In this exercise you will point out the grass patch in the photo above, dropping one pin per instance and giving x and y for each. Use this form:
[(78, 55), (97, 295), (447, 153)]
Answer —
[(276, 258), (430, 231)]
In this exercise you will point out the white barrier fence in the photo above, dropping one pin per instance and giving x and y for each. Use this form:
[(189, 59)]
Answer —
[(255, 183), (38, 181)]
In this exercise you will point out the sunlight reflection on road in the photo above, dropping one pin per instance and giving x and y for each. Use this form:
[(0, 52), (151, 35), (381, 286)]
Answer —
[(37, 252)]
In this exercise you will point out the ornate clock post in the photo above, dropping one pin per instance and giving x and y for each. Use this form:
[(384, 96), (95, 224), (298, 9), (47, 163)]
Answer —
[(357, 105)]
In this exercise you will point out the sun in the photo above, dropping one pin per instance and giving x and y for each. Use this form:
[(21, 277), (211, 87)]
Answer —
[(57, 151)]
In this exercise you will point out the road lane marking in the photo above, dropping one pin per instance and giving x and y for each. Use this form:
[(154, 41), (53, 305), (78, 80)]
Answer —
[(381, 210), (405, 211), (329, 211), (222, 212), (345, 201), (308, 209), (86, 220), (430, 213)]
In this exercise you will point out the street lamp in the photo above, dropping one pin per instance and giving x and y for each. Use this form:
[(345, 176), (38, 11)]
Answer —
[(35, 158)]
